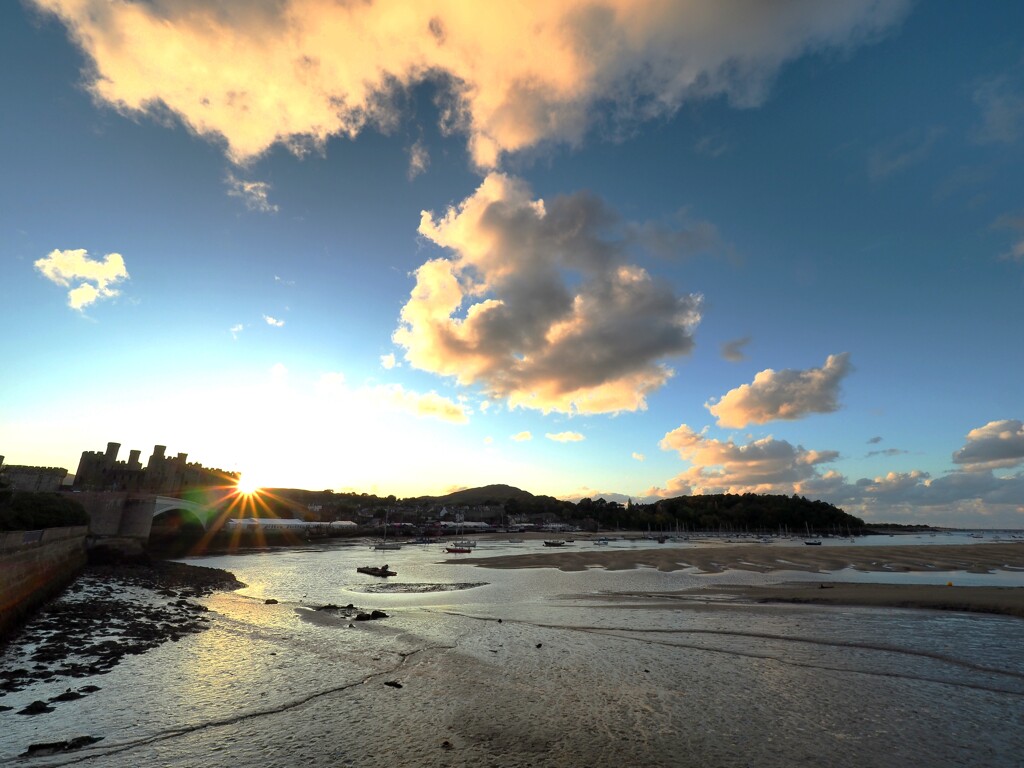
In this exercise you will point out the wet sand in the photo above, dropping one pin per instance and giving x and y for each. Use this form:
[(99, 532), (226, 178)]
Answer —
[(714, 558)]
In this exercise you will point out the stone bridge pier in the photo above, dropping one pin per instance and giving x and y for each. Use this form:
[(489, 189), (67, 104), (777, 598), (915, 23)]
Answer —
[(118, 521)]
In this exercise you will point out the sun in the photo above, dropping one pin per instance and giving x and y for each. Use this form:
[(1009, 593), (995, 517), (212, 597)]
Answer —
[(247, 485)]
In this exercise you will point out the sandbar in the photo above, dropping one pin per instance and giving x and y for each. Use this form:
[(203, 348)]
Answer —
[(716, 558)]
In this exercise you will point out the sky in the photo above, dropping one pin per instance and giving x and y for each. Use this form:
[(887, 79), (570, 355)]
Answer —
[(629, 249)]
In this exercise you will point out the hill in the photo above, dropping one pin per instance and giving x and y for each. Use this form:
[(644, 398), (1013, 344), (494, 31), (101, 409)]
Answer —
[(488, 494)]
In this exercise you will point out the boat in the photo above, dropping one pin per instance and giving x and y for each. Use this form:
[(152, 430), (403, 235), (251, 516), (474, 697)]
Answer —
[(463, 543), (384, 543), (809, 541), (515, 541), (554, 543), (458, 550), (371, 570), (601, 542)]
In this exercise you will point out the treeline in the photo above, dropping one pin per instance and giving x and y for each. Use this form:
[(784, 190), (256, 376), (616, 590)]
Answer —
[(736, 513), (30, 511)]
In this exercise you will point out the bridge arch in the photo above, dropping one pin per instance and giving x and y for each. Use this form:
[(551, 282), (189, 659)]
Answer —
[(203, 514)]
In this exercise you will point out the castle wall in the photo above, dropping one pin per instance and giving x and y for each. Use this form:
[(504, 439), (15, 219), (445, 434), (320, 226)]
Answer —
[(43, 479), (36, 565)]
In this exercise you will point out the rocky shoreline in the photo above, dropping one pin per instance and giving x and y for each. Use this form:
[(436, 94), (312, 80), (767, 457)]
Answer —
[(108, 612)]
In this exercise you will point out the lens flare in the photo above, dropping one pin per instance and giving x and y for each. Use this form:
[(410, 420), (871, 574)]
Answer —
[(247, 485)]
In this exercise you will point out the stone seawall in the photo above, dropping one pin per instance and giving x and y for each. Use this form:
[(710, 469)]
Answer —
[(34, 566)]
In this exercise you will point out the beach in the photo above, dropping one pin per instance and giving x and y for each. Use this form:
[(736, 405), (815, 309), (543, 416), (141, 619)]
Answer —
[(647, 654)]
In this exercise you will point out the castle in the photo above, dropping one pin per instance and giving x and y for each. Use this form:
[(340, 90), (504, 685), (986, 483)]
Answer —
[(48, 479), (101, 471)]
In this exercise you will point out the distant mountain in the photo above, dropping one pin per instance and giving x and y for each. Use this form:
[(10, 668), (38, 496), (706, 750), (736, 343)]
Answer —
[(488, 494)]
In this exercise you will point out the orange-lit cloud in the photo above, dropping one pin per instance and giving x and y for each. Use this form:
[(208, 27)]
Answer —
[(761, 466), (775, 466), (522, 437), (89, 279), (787, 395), (510, 76), (539, 306), (565, 437), (428, 404)]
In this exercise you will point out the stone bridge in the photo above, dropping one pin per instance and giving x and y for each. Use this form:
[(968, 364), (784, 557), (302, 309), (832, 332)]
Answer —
[(124, 520), (201, 512)]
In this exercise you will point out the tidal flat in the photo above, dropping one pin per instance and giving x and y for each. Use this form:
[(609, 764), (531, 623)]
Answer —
[(546, 665)]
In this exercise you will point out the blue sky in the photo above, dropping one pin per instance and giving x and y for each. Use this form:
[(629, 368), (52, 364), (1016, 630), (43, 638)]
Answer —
[(584, 249)]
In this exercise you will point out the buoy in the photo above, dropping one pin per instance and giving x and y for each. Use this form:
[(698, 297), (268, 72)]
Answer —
[(949, 583)]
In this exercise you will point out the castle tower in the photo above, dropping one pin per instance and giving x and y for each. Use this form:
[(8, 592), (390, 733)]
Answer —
[(111, 455), (133, 459)]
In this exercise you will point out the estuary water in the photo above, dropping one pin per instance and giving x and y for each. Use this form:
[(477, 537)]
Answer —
[(534, 667)]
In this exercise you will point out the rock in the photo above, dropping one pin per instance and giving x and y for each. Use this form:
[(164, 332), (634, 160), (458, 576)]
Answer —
[(53, 747), (36, 708), (270, 601), (539, 644), (371, 616), (393, 683), (68, 695)]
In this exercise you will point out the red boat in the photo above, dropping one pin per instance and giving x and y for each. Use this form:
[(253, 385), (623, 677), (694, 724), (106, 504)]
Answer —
[(458, 550)]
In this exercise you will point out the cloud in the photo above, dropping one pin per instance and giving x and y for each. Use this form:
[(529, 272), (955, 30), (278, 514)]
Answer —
[(273, 321), (768, 465), (253, 193), (565, 437), (419, 159), (1016, 224), (430, 404), (874, 440), (236, 329), (92, 279), (998, 444), (762, 466), (902, 153), (521, 437), (711, 146), (638, 456), (733, 350), (387, 361), (297, 72), (887, 452), (787, 395), (1001, 103), (539, 306)]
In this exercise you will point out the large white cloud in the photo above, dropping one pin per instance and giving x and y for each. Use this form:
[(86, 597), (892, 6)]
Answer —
[(89, 279), (539, 306), (787, 394), (253, 73)]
